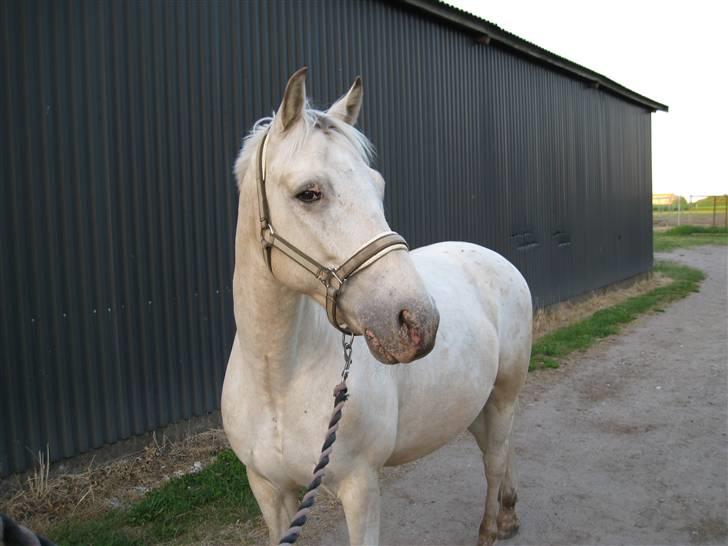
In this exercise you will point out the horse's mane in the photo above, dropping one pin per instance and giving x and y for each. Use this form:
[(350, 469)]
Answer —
[(346, 133)]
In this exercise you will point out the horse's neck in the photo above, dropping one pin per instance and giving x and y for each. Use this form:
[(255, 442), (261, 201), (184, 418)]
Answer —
[(274, 323)]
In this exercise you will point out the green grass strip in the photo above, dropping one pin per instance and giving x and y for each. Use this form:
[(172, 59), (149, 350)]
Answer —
[(691, 230), (183, 507), (689, 236), (550, 348)]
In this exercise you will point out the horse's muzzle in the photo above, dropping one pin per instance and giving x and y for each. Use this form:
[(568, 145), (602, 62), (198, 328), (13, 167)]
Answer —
[(413, 339)]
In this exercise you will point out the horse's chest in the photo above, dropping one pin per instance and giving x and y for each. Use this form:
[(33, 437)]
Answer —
[(278, 443)]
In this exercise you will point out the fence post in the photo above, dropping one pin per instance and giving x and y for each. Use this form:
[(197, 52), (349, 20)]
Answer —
[(678, 210)]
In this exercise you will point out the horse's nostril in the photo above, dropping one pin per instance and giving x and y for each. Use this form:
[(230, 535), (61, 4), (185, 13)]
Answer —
[(406, 318), (409, 321)]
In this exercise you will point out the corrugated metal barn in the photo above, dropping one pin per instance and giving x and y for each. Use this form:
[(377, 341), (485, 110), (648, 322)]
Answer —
[(120, 122)]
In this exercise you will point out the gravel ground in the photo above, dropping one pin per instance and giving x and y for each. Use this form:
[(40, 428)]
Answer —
[(625, 444)]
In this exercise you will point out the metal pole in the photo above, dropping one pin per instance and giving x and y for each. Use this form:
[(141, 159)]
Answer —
[(725, 202), (678, 210), (714, 204)]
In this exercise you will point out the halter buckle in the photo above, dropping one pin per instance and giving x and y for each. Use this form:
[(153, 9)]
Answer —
[(324, 277), (267, 233)]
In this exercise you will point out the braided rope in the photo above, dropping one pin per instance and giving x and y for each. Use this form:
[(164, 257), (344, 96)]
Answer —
[(12, 534), (299, 519)]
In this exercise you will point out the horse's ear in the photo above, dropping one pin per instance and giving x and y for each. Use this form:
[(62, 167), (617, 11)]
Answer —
[(347, 107), (294, 100)]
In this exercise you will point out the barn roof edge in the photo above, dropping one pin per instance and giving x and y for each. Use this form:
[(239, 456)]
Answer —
[(487, 32)]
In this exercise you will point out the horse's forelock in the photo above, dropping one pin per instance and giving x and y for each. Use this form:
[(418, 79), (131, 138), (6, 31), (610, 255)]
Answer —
[(360, 143)]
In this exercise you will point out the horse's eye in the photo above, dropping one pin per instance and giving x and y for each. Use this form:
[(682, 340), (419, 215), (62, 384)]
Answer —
[(309, 196)]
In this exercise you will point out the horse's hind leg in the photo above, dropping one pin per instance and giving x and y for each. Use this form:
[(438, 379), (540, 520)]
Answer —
[(492, 431), (508, 495)]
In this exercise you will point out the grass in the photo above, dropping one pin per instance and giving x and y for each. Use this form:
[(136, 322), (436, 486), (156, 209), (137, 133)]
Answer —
[(548, 350), (701, 230), (688, 236), (217, 495)]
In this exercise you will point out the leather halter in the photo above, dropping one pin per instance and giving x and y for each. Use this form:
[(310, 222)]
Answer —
[(333, 278)]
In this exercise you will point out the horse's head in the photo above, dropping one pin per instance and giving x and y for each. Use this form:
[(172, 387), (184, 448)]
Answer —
[(325, 199)]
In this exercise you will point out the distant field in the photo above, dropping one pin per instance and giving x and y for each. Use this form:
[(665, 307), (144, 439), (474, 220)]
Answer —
[(697, 217)]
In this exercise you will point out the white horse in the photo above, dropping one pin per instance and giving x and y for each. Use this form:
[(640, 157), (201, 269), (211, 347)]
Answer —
[(325, 199)]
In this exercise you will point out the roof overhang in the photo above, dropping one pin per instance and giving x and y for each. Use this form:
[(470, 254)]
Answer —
[(488, 34)]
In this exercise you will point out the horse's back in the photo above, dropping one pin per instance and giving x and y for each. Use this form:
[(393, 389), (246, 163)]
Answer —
[(464, 269)]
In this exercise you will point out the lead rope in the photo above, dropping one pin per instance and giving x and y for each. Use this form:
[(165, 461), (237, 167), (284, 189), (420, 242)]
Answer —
[(341, 394)]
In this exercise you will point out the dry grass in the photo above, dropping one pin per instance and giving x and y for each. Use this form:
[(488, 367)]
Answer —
[(38, 483), (565, 314), (43, 499)]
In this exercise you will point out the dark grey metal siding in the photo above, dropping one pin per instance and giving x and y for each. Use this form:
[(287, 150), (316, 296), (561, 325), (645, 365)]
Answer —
[(120, 122)]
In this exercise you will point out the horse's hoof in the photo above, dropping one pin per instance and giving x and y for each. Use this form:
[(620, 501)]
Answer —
[(508, 525), (504, 534), (486, 539)]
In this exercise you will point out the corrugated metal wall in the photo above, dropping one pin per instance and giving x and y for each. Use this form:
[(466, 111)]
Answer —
[(120, 122)]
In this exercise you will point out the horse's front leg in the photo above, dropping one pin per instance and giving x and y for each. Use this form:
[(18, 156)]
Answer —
[(359, 495), (277, 505)]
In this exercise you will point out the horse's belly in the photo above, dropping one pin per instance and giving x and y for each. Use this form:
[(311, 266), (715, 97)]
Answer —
[(438, 400), (431, 426)]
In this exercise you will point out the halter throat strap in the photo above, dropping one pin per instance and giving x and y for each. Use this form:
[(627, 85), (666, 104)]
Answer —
[(333, 278)]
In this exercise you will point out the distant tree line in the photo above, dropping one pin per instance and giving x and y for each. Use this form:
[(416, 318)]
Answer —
[(673, 205), (707, 202), (719, 201)]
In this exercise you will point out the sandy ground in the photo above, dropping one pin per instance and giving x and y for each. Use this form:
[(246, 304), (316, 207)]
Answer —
[(625, 444)]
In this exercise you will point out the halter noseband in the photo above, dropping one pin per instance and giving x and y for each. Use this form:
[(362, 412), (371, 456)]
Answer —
[(333, 278)]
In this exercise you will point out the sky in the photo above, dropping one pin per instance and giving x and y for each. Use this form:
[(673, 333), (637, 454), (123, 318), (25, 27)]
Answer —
[(673, 52)]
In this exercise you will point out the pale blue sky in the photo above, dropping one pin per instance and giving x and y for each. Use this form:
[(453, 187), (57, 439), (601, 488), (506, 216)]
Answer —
[(672, 52)]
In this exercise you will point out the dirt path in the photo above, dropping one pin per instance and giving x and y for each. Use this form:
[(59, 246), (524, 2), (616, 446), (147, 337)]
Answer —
[(627, 444)]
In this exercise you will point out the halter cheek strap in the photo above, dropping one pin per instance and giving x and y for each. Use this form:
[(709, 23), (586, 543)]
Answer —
[(333, 278)]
